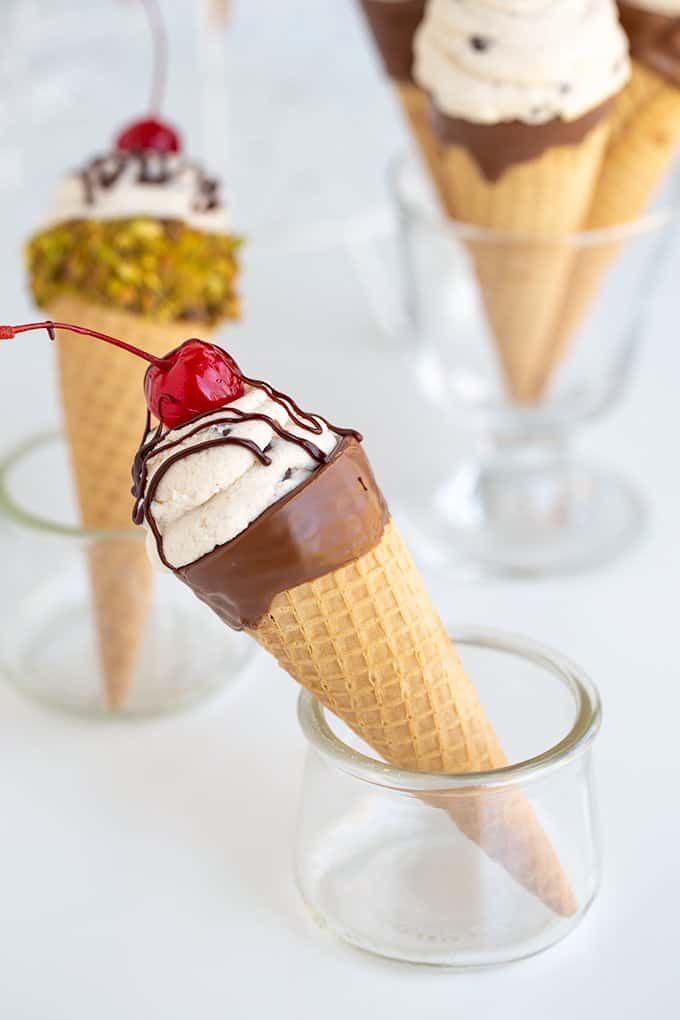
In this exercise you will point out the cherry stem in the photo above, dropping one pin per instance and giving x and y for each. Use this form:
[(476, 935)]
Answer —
[(8, 332), (159, 44)]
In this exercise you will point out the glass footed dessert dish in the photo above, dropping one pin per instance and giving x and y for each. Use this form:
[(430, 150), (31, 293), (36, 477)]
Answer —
[(546, 134), (519, 501)]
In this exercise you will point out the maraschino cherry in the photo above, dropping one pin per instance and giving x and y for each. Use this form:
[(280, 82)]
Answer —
[(191, 380), (194, 378), (150, 134)]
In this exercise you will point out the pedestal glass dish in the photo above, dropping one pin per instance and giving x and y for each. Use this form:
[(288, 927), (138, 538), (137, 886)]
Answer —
[(521, 342)]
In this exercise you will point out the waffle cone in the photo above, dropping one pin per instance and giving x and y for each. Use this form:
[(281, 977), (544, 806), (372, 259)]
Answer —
[(367, 642), (103, 404), (416, 107), (645, 131), (522, 281)]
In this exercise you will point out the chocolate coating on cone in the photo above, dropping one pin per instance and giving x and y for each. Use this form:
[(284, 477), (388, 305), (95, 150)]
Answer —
[(393, 26), (338, 515), (654, 40), (497, 147)]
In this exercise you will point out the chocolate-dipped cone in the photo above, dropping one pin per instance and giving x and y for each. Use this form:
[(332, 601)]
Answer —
[(137, 244), (393, 26), (533, 184), (323, 581), (644, 139), (103, 403), (138, 276)]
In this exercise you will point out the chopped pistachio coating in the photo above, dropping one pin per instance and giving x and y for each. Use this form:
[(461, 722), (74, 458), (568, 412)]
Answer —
[(159, 268)]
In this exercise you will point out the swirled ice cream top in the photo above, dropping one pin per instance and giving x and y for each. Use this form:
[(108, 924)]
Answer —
[(202, 484), (488, 61), (122, 185)]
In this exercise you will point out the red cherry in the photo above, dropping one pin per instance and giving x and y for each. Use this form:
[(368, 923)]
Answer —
[(148, 136), (194, 379), (191, 380)]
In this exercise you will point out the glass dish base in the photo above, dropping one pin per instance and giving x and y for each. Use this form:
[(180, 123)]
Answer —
[(503, 524), (49, 652), (372, 890)]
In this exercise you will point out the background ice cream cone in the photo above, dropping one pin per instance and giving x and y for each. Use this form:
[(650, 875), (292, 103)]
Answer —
[(520, 102), (103, 404), (393, 25), (138, 246), (367, 642), (645, 133), (416, 107), (522, 277)]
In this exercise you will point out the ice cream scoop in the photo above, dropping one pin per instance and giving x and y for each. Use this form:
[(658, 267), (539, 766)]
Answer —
[(200, 485), (141, 183), (534, 62)]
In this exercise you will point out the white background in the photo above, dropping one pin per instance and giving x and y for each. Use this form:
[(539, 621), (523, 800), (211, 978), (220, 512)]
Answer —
[(146, 868)]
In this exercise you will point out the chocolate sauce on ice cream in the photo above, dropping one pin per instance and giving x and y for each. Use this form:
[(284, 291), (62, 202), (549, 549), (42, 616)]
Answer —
[(146, 167)]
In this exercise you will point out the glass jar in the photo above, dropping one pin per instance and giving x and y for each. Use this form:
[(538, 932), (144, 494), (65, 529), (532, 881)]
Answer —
[(382, 864), (85, 624)]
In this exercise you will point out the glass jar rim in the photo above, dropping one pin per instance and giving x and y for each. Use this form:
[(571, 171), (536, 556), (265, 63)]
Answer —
[(315, 726), (14, 511), (466, 232)]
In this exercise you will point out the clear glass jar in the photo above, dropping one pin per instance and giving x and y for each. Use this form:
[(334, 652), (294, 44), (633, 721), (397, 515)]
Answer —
[(85, 625), (521, 341), (382, 866)]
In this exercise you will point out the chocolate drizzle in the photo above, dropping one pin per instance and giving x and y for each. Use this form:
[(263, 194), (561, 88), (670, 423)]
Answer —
[(155, 443), (158, 168)]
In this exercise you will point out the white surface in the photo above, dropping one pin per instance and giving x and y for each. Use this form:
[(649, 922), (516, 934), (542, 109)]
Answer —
[(146, 869)]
